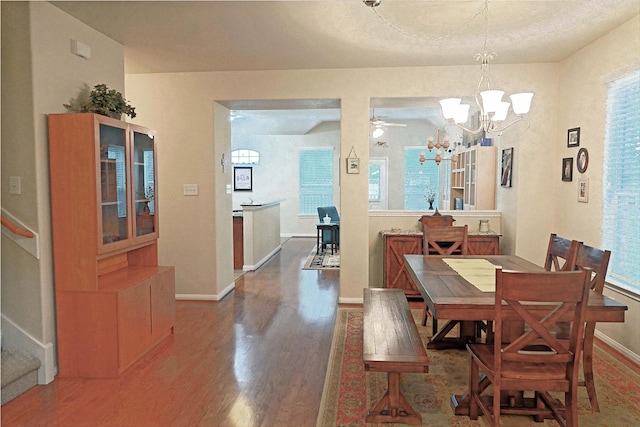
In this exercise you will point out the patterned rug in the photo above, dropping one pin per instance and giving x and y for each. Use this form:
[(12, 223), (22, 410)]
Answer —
[(323, 260), (349, 391)]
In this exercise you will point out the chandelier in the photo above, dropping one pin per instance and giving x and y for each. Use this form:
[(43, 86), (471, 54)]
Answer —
[(441, 148), (493, 111)]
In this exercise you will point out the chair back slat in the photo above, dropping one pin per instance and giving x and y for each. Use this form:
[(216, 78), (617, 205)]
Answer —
[(540, 300), (598, 261), (445, 240), (561, 254), (434, 220)]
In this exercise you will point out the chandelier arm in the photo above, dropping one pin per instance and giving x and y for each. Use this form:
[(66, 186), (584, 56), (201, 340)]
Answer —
[(494, 129), (472, 132)]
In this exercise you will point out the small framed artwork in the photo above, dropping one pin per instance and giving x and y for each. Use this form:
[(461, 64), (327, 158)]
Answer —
[(353, 165), (582, 160), (507, 165), (583, 190), (242, 178), (573, 137), (567, 169)]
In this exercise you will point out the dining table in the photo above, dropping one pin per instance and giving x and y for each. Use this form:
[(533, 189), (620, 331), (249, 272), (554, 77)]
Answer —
[(460, 289)]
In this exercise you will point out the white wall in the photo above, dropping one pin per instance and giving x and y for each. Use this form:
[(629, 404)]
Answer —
[(39, 74), (277, 177), (186, 138), (531, 209), (582, 103), (397, 138), (192, 136)]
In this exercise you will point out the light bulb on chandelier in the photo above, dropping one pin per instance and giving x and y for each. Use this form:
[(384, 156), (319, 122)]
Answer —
[(493, 111), (441, 149)]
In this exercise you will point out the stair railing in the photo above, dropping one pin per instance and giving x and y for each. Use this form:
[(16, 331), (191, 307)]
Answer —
[(15, 229), (20, 234)]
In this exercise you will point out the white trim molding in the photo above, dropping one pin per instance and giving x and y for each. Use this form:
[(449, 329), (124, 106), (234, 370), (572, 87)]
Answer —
[(13, 336)]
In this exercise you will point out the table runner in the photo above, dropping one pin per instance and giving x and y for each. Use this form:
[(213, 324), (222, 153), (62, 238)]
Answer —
[(479, 272)]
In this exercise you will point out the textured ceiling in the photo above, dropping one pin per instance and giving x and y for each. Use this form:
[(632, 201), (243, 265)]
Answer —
[(185, 36)]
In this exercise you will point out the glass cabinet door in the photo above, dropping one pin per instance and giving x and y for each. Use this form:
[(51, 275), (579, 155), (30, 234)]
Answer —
[(113, 185), (144, 184)]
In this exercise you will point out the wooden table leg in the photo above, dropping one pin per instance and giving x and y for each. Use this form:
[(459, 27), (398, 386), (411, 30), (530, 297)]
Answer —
[(393, 406), (460, 402), (467, 333)]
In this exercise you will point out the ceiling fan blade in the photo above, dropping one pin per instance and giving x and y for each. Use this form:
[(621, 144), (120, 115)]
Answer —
[(378, 123)]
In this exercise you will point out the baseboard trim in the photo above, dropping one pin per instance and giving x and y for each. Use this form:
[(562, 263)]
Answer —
[(207, 297), (256, 266), (13, 336), (618, 347), (358, 301)]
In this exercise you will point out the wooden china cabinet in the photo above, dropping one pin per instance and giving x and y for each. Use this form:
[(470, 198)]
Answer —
[(113, 302)]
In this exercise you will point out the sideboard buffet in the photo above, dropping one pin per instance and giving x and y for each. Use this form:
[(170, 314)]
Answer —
[(113, 302), (397, 243)]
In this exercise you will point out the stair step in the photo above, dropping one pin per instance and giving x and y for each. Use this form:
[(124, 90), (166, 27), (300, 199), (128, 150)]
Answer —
[(19, 373)]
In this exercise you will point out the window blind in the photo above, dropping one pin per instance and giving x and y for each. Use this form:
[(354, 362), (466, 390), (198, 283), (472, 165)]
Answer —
[(117, 152), (621, 193), (374, 183), (149, 189), (316, 180), (419, 178)]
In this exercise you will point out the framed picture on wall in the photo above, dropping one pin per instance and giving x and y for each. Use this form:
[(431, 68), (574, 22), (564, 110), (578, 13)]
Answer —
[(583, 190), (353, 165), (582, 160), (573, 137), (507, 165), (567, 169), (242, 178)]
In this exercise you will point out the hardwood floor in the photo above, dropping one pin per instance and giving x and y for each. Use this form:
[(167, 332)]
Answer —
[(256, 358)]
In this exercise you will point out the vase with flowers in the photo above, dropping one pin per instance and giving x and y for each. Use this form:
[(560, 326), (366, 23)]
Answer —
[(430, 197)]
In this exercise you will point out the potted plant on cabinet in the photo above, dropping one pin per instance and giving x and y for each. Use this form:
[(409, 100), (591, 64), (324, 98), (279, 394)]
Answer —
[(104, 101)]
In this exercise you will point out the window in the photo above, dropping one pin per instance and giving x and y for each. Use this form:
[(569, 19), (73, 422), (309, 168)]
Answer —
[(419, 178), (245, 157), (375, 189), (621, 193), (149, 191), (117, 152), (316, 180)]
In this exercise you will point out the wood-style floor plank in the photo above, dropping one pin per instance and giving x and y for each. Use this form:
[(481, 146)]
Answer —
[(256, 358)]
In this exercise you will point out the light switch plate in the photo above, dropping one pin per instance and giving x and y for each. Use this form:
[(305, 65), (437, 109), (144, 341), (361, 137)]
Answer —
[(190, 189), (14, 185)]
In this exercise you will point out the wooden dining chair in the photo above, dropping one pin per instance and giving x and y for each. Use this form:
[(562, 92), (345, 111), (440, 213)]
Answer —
[(533, 360), (561, 254), (434, 220), (597, 261), (442, 240), (445, 240)]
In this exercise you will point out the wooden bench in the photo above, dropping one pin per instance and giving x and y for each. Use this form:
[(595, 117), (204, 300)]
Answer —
[(391, 344)]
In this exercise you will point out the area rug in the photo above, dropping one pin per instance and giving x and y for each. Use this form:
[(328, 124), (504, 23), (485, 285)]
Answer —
[(349, 391), (323, 260)]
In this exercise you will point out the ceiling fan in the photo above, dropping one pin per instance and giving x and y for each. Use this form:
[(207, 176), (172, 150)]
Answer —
[(377, 125)]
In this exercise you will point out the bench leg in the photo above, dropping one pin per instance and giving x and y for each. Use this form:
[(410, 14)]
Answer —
[(394, 407)]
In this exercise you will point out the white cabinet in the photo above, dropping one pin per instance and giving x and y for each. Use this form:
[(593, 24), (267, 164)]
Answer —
[(473, 179)]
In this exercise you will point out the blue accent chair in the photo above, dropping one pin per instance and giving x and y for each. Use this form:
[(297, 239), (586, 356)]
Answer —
[(335, 218)]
